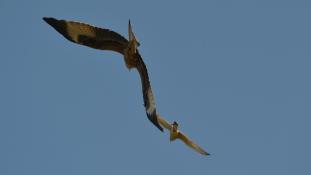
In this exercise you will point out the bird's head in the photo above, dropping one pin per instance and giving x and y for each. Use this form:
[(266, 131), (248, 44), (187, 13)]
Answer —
[(175, 125), (133, 42), (174, 131)]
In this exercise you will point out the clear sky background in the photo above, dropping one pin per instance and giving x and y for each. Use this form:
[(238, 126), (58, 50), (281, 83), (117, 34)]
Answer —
[(234, 74)]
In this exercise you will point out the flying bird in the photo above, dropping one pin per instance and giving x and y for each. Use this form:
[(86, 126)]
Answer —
[(105, 39), (175, 133)]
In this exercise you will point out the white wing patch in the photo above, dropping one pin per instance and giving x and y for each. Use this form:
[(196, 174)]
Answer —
[(151, 102)]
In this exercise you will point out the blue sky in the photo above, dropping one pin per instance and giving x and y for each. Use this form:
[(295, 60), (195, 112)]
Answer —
[(234, 74)]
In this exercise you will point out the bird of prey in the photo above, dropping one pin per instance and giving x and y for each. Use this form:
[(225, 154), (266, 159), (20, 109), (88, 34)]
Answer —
[(176, 134), (105, 39)]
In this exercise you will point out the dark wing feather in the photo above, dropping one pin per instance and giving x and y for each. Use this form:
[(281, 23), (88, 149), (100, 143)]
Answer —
[(88, 35), (149, 100)]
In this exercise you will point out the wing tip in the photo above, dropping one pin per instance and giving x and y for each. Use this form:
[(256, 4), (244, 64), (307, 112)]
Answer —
[(207, 154), (51, 21), (45, 18), (153, 118)]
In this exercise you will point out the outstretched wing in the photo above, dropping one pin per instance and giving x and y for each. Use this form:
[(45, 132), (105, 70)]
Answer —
[(88, 35), (164, 123), (188, 142), (149, 100)]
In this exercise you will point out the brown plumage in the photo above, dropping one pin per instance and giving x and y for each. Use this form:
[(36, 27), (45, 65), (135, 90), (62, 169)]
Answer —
[(105, 39)]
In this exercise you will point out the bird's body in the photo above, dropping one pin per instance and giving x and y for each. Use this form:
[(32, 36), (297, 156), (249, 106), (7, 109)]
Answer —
[(105, 39), (175, 133)]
